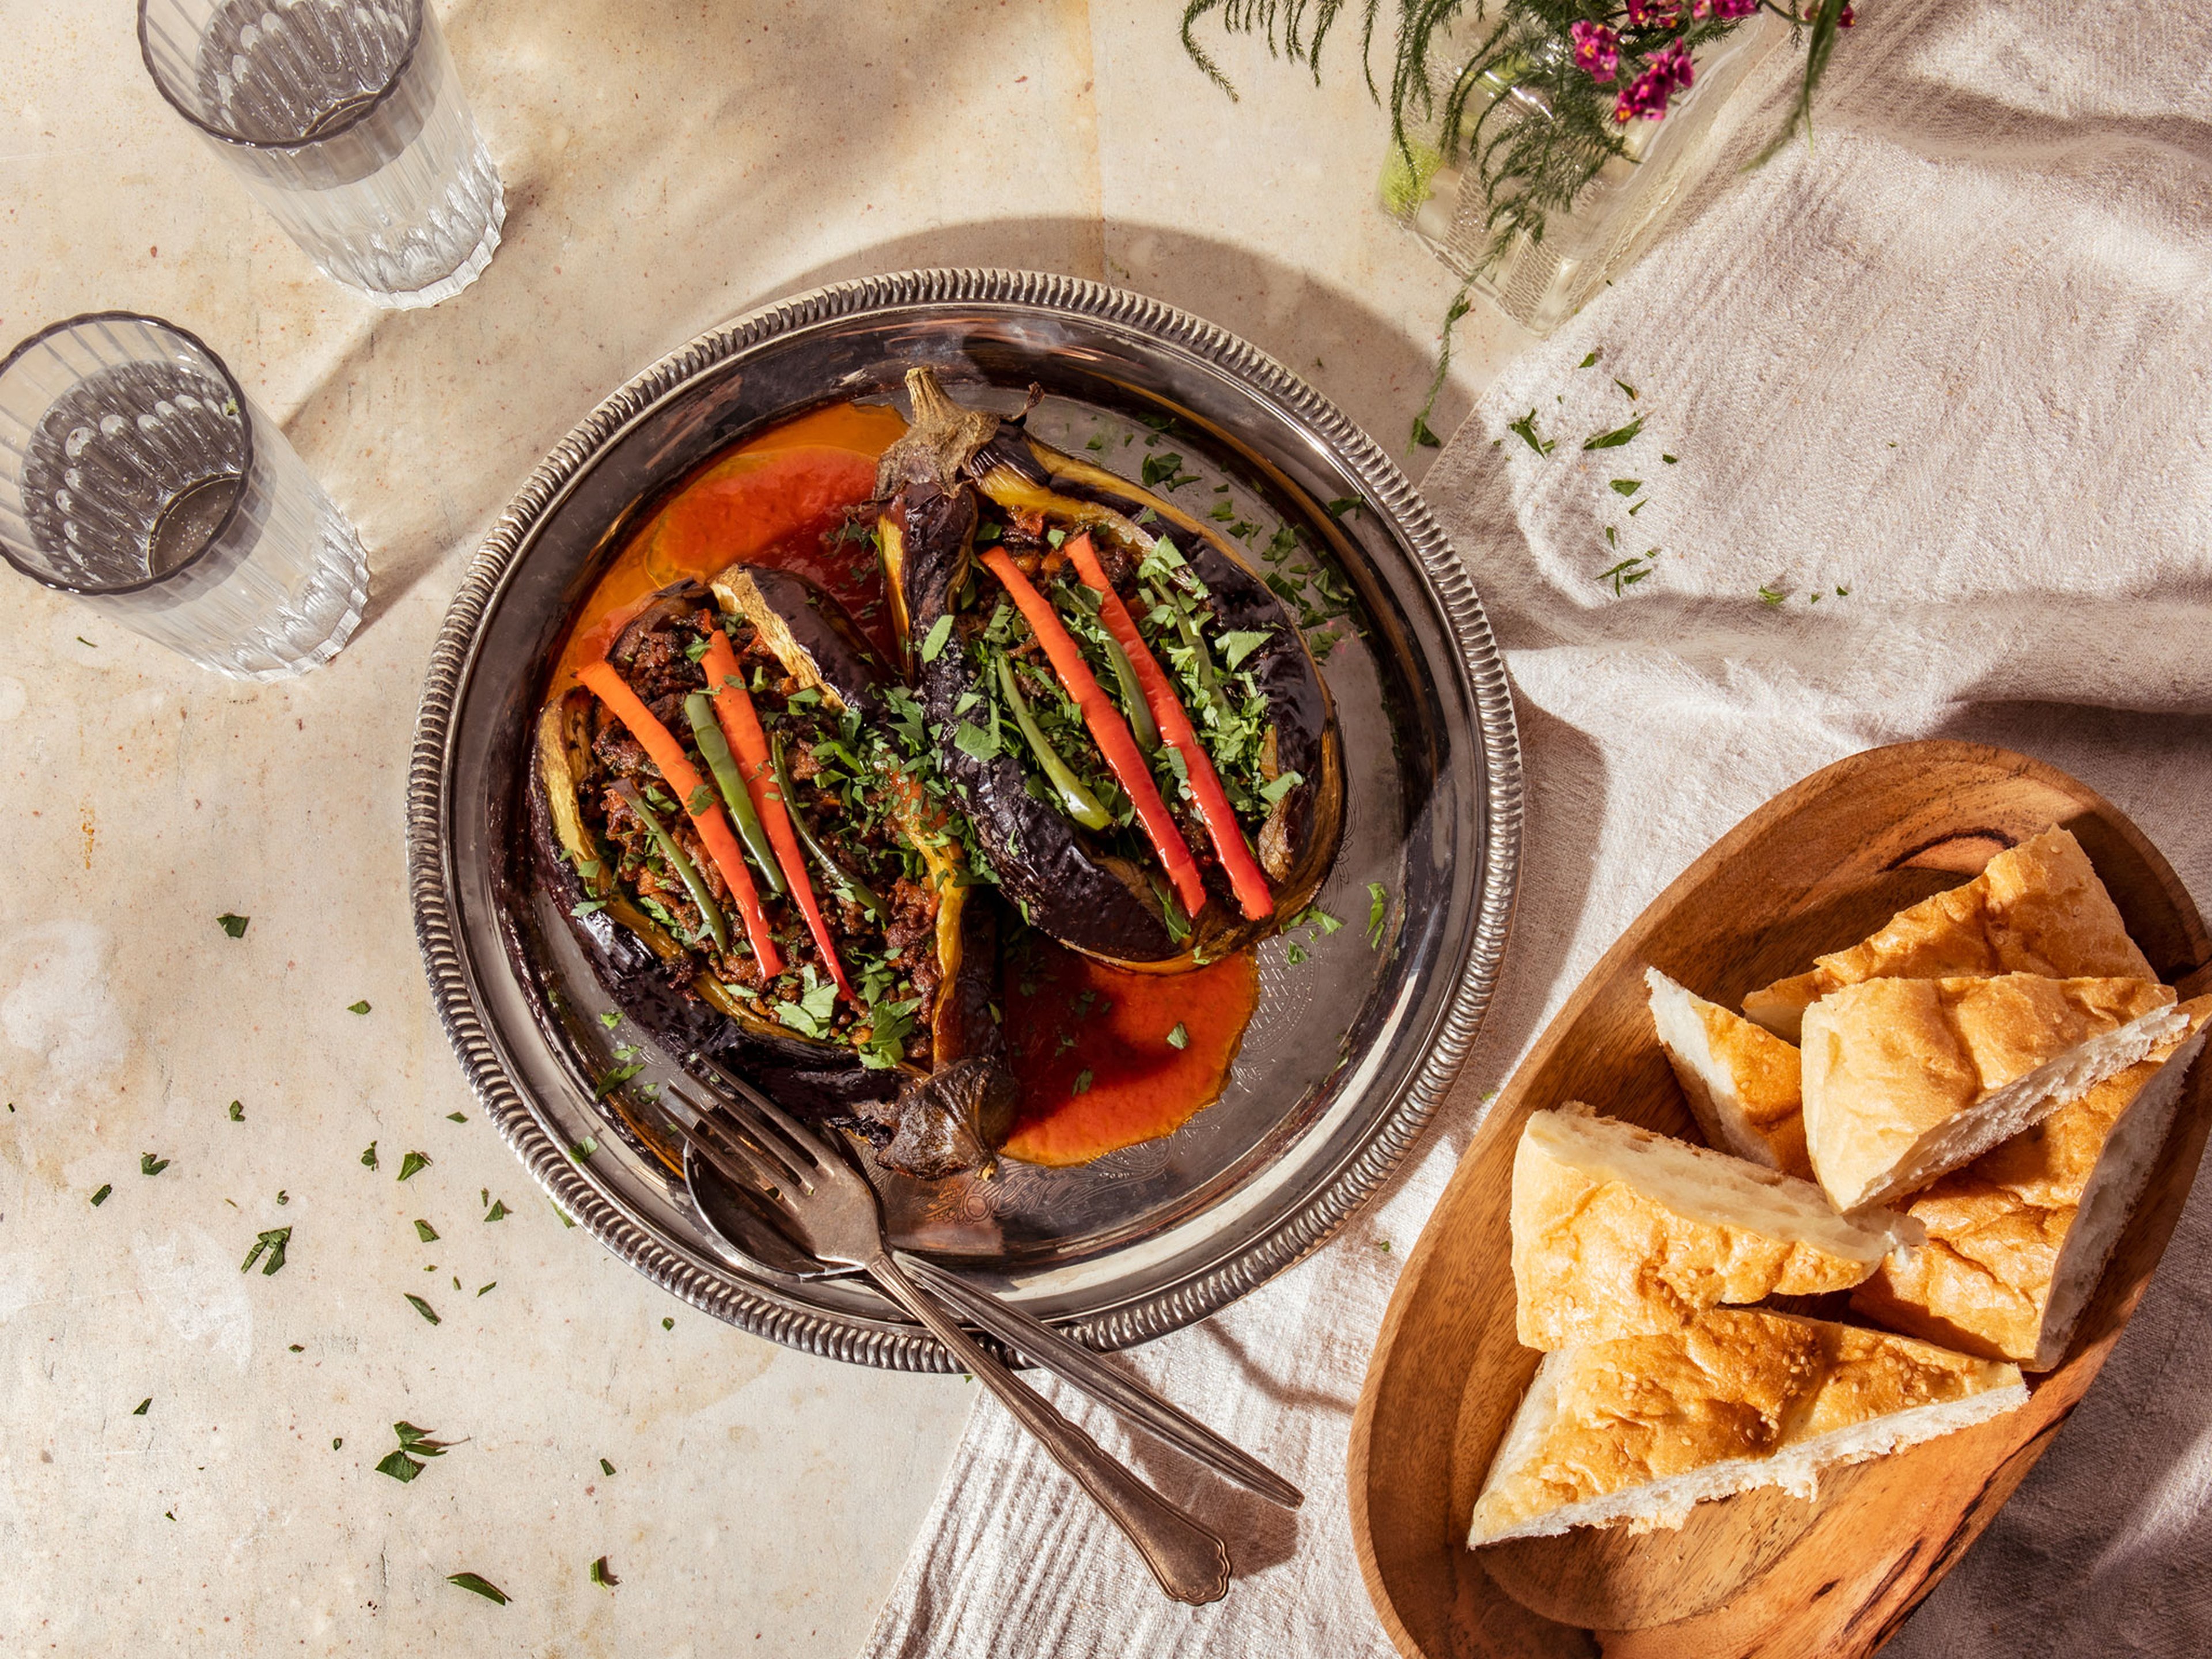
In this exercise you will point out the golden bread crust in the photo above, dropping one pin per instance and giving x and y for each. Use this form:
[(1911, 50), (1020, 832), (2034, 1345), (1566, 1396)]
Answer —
[(1983, 1282), (2037, 908), (1888, 1061), (1597, 1258), (1739, 1383)]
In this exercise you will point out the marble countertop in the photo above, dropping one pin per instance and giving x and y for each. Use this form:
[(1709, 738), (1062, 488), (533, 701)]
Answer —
[(666, 165)]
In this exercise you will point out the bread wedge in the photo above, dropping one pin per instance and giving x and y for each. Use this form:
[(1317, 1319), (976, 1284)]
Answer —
[(2018, 1239), (1640, 1429), (1743, 1082), (1907, 1080), (1618, 1232), (2037, 909)]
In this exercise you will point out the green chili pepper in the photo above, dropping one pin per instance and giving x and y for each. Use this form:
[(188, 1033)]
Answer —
[(669, 850), (1078, 802), (856, 889), (714, 749), (1142, 725)]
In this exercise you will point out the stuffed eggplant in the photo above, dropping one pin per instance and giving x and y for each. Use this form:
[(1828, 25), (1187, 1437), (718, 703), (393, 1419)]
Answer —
[(759, 873), (1127, 715)]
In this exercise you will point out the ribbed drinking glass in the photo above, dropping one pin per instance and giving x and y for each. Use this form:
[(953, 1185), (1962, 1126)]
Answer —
[(346, 118), (136, 474)]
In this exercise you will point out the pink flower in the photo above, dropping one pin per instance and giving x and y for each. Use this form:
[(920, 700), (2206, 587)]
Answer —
[(1645, 14), (1727, 11), (1844, 20), (1597, 49), (1665, 72)]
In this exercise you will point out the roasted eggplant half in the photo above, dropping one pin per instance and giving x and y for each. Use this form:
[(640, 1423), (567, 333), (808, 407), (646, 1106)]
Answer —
[(759, 871), (1127, 715)]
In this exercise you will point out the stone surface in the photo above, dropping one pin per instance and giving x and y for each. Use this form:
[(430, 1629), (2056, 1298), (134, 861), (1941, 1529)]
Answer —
[(666, 165)]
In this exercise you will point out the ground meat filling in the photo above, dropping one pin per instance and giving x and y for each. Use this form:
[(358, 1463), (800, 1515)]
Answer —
[(845, 788)]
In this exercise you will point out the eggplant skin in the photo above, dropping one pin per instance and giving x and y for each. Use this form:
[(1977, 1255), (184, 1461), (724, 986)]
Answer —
[(1100, 907), (915, 1123), (1103, 906)]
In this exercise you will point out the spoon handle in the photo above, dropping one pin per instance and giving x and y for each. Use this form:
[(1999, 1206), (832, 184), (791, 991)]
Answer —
[(1189, 1562), (1074, 1364)]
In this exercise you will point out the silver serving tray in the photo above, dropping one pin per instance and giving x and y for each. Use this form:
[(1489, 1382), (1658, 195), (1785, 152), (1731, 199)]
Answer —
[(1353, 1047)]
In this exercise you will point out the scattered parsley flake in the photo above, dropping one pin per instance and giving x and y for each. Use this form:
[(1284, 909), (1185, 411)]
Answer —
[(498, 1212), (149, 1164), (1629, 389), (1626, 486), (1293, 952), (456, 1117), (1344, 504), (1180, 1037), (424, 1231), (1843, 592), (667, 1324), (1526, 429), (1378, 909), (101, 1197), (584, 1148), (602, 1575), (142, 1405), (1083, 1081), (360, 1008), (1424, 435), (1587, 362), (480, 1586), (274, 1242), (233, 925), (1617, 436), (611, 1019), (483, 1288), (81, 640), (368, 1156), (283, 1197), (238, 1111), (1669, 459), (337, 1443), (412, 1165), (586, 908), (296, 1348), (606, 1468), (424, 1309), (1772, 597), (398, 1464)]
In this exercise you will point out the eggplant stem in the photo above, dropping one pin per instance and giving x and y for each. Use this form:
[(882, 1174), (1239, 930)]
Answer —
[(709, 911), (1077, 801)]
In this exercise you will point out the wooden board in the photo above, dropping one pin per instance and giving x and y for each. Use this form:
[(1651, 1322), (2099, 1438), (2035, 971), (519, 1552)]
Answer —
[(1815, 870)]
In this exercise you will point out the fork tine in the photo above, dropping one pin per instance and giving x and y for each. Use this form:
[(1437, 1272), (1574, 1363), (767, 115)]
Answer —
[(737, 1159), (732, 1122), (803, 1139)]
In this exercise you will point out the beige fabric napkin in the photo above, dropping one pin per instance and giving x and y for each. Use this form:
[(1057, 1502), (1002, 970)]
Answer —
[(1943, 371)]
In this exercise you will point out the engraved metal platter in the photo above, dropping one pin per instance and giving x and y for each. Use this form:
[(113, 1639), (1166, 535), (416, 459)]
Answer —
[(1359, 1032)]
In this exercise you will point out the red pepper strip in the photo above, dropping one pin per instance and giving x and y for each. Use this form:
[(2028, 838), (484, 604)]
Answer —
[(1107, 729), (734, 707), (1245, 876), (663, 749)]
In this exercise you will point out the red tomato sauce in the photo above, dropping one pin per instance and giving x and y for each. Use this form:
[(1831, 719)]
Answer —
[(1094, 1048)]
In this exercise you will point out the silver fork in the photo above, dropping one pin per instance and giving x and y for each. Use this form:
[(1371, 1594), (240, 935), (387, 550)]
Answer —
[(833, 1211)]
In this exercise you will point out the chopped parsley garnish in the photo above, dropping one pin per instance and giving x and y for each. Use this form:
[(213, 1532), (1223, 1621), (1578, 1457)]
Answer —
[(149, 1164), (1378, 913), (667, 1324), (360, 1008), (283, 1197), (478, 1585), (932, 644), (480, 1289), (611, 1019), (233, 925), (615, 1079), (702, 798), (142, 1405), (1275, 788), (424, 1309), (368, 1156), (1083, 1081), (583, 1149), (1241, 643), (1626, 486), (1344, 504), (1525, 428), (1617, 436), (498, 1212), (238, 1111), (1180, 1037), (602, 1575), (412, 1165), (456, 1117), (1625, 386), (101, 1197), (1587, 362), (425, 1232), (1772, 596), (606, 1468), (403, 1463), (273, 1241)]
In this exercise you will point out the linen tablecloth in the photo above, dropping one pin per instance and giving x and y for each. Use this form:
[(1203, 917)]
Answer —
[(1924, 446)]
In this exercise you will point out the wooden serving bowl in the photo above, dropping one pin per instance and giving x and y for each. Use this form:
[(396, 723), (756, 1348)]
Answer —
[(1815, 869)]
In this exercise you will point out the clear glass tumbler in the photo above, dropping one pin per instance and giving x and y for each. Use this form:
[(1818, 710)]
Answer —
[(346, 118), (136, 474)]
